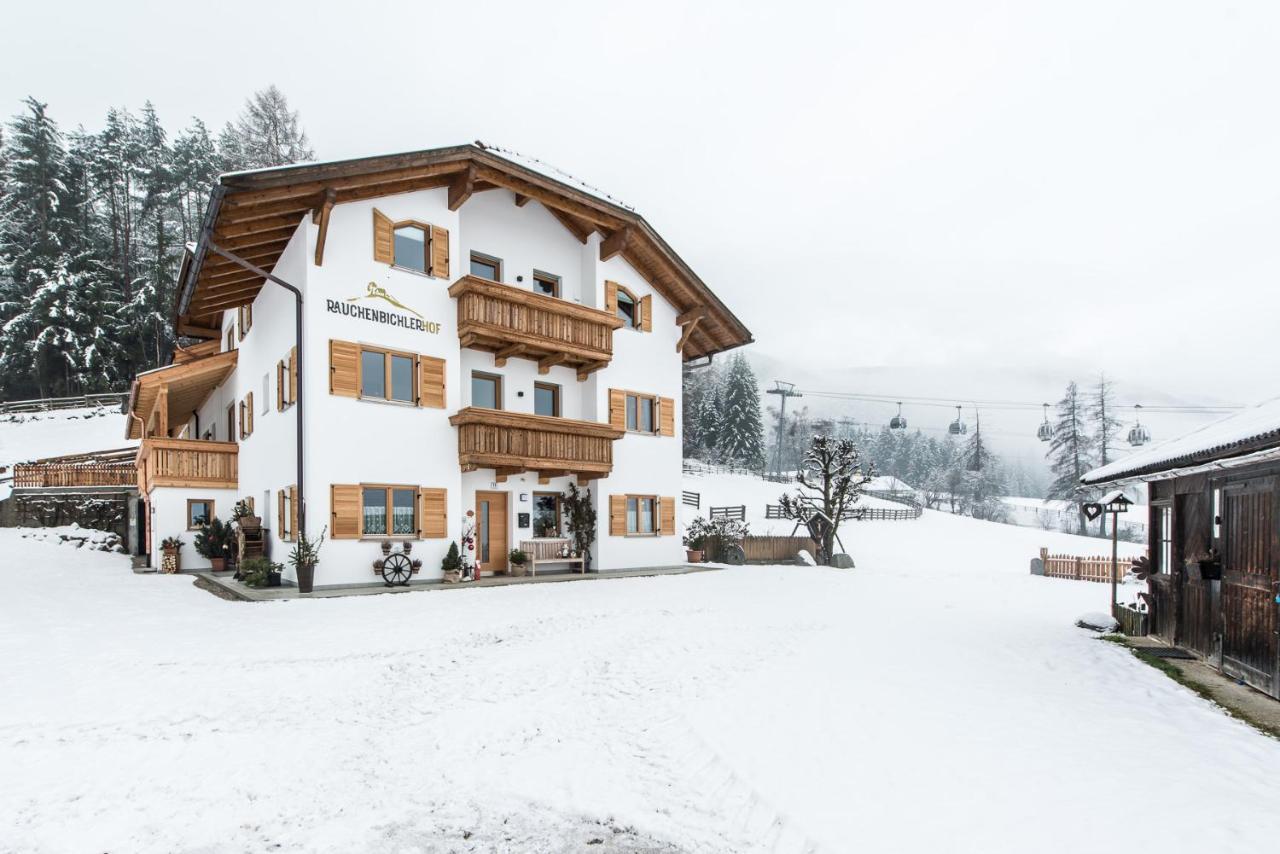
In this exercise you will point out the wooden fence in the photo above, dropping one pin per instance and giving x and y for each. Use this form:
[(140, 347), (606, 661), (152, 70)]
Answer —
[(738, 512), (692, 499), (1092, 568), (104, 468), (775, 549), (47, 404)]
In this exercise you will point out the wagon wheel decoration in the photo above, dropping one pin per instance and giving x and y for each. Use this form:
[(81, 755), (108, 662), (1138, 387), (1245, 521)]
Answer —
[(396, 569)]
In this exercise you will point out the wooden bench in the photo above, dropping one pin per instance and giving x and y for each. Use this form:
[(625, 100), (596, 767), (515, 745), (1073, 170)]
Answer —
[(548, 551)]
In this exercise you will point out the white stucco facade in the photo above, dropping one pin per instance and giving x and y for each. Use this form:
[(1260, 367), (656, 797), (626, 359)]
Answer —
[(354, 440)]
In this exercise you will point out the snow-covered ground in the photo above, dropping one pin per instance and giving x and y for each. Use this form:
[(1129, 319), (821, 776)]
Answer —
[(725, 490), (937, 698), (34, 435)]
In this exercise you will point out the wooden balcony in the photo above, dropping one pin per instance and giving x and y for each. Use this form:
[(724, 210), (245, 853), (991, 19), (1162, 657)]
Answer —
[(187, 462), (513, 442), (512, 322)]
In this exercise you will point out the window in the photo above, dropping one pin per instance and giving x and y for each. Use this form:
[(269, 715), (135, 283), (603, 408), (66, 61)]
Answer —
[(627, 309), (388, 511), (244, 316), (640, 413), (266, 393), (284, 506), (231, 336), (546, 514), (546, 400), (1164, 539), (386, 375), (284, 383), (545, 283), (486, 391), (410, 248), (199, 512), (642, 514), (486, 266)]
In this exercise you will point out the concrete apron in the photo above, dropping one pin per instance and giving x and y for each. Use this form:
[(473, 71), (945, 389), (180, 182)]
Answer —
[(225, 581)]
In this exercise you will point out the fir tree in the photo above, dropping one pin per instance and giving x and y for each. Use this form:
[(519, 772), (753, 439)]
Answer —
[(1106, 429), (741, 435), (1070, 451)]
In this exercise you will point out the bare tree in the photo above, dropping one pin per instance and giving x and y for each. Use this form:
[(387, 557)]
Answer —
[(831, 479)]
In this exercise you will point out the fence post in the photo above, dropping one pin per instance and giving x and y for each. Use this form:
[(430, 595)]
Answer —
[(1079, 571), (1044, 556)]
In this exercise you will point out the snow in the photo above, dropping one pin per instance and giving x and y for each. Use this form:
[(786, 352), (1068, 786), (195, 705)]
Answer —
[(35, 435), (939, 698), (75, 536), (1261, 421), (730, 490), (1097, 621)]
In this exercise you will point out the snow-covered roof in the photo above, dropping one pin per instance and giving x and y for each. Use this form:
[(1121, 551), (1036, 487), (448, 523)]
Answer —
[(1254, 429)]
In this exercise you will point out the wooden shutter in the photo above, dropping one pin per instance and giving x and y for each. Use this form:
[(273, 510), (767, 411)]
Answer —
[(242, 433), (618, 408), (344, 368), (431, 382), (383, 241), (293, 513), (439, 252), (433, 513), (666, 416), (646, 314), (617, 515), (344, 512), (666, 517), (280, 526), (249, 411), (293, 374), (280, 386), (611, 297)]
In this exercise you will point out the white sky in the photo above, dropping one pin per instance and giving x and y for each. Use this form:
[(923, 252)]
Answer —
[(1045, 187)]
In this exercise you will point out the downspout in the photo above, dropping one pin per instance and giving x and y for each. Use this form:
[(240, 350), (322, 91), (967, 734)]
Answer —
[(297, 295)]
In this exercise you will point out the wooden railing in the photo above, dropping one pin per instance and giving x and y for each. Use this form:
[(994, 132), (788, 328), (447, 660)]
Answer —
[(512, 442), (188, 462), (516, 323), (100, 468), (48, 404)]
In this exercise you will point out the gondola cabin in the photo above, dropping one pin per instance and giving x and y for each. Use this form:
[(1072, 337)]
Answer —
[(1214, 537)]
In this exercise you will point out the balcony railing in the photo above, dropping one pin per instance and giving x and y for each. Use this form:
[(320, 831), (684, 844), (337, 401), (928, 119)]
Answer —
[(100, 468), (188, 462), (512, 322), (513, 442)]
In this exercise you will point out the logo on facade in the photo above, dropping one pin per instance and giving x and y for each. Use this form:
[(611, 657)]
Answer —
[(349, 308)]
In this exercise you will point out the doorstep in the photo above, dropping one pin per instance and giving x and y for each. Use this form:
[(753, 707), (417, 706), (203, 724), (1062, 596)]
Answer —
[(225, 581)]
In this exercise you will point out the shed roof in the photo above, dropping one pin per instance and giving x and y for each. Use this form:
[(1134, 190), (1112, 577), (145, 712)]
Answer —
[(1249, 431), (254, 213)]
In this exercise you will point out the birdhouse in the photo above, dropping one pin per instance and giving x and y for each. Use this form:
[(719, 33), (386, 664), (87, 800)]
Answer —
[(1115, 501)]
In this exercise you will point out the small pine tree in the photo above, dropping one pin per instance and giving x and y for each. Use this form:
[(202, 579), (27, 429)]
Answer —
[(741, 435)]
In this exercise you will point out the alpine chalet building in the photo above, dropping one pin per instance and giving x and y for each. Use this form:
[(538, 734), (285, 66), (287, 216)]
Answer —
[(390, 342)]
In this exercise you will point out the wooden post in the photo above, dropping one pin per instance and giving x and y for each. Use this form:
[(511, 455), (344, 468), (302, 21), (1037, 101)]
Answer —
[(1115, 559)]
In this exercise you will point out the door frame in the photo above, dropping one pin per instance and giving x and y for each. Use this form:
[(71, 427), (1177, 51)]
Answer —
[(497, 563)]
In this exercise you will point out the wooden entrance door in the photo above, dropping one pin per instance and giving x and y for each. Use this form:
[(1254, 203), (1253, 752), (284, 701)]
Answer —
[(1250, 583), (491, 532)]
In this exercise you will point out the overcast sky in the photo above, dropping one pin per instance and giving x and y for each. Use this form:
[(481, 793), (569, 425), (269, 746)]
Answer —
[(1053, 188)]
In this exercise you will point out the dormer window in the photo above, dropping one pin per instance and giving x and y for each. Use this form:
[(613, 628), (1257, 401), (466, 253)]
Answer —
[(410, 248), (635, 313)]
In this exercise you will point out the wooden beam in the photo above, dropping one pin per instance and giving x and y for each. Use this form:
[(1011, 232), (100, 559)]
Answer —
[(575, 226), (501, 474), (614, 244), (550, 198), (274, 239), (161, 412), (353, 179), (462, 186), (257, 226), (521, 200), (500, 357), (326, 207), (546, 363), (466, 340), (544, 477), (185, 327), (696, 313), (295, 206), (686, 333), (588, 369), (376, 191)]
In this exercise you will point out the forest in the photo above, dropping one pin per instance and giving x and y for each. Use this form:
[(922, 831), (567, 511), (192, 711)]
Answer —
[(92, 228)]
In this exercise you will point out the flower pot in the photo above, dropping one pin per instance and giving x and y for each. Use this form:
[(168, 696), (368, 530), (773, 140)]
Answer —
[(273, 579), (452, 576), (406, 547), (517, 569), (218, 563), (693, 555), (386, 548), (306, 577)]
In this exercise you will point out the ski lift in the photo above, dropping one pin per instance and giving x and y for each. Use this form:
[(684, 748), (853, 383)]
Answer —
[(897, 422), (1045, 431), (1138, 435), (958, 427)]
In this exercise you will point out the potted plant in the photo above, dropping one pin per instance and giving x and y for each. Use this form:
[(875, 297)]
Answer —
[(516, 560), (452, 565), (303, 559), (212, 542), (171, 562), (580, 521), (695, 541), (243, 516), (260, 572)]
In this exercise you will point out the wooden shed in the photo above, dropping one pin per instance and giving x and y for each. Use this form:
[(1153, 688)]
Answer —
[(1214, 537)]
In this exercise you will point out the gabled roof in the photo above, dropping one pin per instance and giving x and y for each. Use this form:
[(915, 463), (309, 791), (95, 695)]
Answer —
[(253, 214), (1247, 432)]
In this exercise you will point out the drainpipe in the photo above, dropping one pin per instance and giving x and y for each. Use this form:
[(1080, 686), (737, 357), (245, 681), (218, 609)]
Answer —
[(297, 296)]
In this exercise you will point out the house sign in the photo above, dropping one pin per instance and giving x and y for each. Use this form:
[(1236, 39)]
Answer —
[(409, 320)]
